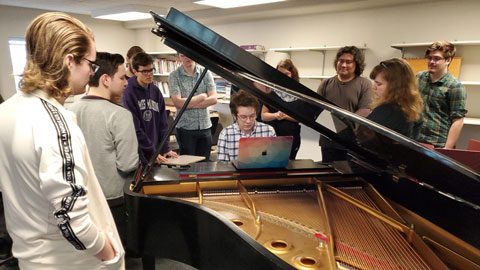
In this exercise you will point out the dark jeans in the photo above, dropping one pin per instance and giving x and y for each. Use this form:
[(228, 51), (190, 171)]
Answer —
[(195, 142)]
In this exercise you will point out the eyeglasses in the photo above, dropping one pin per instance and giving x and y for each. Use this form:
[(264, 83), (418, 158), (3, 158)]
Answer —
[(146, 71), (348, 62), (94, 66), (245, 117), (434, 58)]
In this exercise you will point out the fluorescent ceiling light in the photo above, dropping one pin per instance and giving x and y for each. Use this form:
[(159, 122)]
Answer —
[(124, 13), (126, 16), (235, 3)]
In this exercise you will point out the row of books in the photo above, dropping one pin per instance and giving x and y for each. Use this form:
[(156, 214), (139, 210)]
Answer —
[(163, 86), (164, 66)]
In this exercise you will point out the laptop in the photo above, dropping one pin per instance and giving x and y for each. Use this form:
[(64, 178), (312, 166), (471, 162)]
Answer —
[(263, 152)]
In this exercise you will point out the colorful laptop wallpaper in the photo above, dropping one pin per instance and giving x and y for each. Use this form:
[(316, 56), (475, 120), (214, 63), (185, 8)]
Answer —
[(263, 152)]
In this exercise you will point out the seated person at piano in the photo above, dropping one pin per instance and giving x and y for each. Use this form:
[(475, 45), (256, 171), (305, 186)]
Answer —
[(243, 107), (284, 124), (397, 104)]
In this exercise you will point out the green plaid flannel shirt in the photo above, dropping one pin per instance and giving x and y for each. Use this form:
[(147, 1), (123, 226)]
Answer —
[(444, 101)]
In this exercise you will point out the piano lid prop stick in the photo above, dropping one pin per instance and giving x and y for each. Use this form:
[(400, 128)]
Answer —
[(151, 162)]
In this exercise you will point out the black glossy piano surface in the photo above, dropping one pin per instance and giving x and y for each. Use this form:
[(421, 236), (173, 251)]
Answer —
[(433, 201)]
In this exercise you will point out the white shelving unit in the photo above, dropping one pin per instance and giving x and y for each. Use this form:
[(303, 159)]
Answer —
[(404, 46), (321, 49), (471, 121)]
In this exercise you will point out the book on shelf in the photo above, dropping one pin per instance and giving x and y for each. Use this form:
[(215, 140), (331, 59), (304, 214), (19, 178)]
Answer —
[(164, 66), (163, 87), (253, 47)]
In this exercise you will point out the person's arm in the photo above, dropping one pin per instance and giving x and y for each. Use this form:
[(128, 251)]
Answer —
[(63, 185), (163, 123), (454, 133), (365, 100), (211, 92), (457, 97), (363, 112), (125, 141), (146, 145), (209, 101), (287, 117), (222, 153), (178, 101), (267, 115)]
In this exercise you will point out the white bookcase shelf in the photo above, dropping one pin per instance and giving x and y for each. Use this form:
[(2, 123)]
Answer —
[(401, 46), (320, 49), (471, 121), (311, 49)]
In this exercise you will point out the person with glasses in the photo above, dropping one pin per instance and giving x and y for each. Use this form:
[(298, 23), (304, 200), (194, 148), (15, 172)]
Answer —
[(349, 91), (145, 101), (109, 132), (397, 104), (284, 124), (444, 98), (244, 110), (55, 210), (193, 130)]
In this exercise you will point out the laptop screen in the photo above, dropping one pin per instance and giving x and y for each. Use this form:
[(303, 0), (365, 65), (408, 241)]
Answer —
[(263, 152)]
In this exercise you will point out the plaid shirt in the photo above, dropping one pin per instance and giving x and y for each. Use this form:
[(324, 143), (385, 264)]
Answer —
[(229, 137), (444, 101)]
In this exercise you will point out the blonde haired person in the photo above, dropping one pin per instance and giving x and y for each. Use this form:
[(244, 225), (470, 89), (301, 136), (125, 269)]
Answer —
[(397, 104), (55, 210)]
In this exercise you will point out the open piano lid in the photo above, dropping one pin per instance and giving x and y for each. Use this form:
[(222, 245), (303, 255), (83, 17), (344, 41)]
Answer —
[(405, 167)]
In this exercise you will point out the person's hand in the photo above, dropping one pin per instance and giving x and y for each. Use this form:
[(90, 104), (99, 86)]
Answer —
[(160, 159), (108, 252), (279, 115), (171, 154)]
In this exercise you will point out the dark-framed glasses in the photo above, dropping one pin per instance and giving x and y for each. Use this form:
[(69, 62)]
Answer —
[(94, 66), (146, 71)]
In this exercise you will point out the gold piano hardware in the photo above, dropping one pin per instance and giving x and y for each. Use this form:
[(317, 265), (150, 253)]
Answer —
[(357, 227)]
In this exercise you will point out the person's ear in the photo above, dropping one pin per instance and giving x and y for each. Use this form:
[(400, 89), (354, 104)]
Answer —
[(234, 117), (69, 61), (105, 80), (448, 60)]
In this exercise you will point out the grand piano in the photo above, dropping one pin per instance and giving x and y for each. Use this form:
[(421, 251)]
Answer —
[(393, 205)]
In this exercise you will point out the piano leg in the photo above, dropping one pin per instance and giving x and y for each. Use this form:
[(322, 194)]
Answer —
[(148, 262)]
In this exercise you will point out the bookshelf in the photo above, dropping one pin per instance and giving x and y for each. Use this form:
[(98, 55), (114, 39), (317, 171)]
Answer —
[(165, 62)]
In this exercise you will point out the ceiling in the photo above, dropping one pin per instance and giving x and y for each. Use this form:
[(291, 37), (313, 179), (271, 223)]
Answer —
[(211, 15)]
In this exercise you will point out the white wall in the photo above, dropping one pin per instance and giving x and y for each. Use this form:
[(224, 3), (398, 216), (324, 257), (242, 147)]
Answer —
[(110, 36), (378, 29)]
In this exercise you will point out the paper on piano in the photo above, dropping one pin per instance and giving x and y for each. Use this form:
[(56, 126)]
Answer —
[(183, 160)]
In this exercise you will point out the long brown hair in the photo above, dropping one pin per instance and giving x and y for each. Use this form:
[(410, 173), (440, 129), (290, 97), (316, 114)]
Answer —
[(402, 89), (50, 37), (288, 65)]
